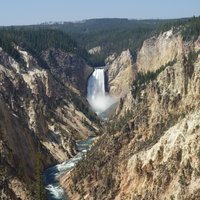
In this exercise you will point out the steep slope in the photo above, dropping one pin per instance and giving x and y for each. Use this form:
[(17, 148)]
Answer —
[(38, 112), (151, 150), (120, 74), (158, 51), (68, 68)]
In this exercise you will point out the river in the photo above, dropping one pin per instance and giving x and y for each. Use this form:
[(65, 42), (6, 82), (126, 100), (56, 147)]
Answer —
[(51, 175)]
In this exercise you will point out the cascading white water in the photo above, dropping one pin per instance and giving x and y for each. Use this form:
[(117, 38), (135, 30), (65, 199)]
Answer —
[(53, 174), (96, 95)]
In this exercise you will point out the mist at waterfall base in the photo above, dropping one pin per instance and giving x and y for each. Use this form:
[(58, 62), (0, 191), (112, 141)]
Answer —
[(96, 94)]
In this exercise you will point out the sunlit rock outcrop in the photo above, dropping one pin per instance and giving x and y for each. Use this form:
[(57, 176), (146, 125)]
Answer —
[(120, 74)]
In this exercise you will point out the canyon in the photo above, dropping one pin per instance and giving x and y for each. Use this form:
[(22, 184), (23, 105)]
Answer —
[(127, 130), (151, 147)]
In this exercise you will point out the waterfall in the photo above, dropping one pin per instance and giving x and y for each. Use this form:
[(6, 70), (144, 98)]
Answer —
[(96, 95)]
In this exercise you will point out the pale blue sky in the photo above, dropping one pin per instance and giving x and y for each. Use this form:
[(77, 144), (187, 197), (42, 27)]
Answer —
[(22, 12)]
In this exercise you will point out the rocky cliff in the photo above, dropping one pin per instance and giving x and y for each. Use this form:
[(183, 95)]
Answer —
[(68, 68), (157, 51), (160, 52), (120, 73), (40, 111), (152, 150)]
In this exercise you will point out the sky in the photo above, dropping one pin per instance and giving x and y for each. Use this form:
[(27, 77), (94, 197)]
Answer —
[(24, 12)]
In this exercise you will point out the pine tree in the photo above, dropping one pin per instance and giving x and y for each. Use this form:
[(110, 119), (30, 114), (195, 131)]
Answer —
[(39, 184)]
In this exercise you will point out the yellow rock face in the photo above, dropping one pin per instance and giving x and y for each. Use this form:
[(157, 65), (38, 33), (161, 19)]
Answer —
[(121, 73)]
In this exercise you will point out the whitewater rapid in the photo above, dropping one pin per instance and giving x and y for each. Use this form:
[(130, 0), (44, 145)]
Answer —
[(52, 174), (96, 94)]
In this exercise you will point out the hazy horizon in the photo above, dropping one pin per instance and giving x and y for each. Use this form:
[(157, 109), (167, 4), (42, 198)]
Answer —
[(82, 20), (24, 12)]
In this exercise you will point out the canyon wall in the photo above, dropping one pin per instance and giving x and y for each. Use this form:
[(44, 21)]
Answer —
[(40, 110), (70, 69), (120, 73)]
